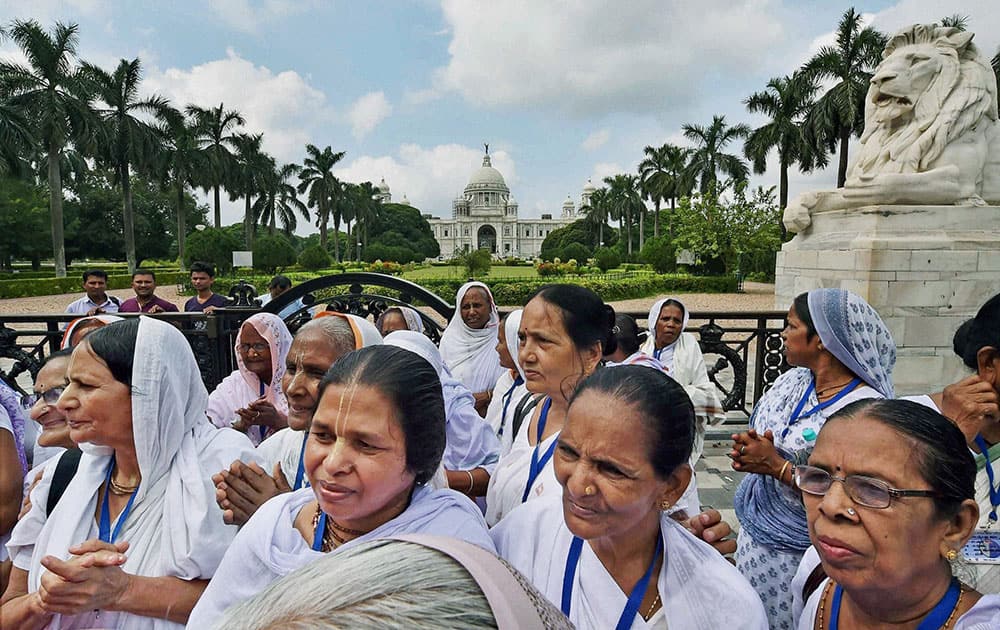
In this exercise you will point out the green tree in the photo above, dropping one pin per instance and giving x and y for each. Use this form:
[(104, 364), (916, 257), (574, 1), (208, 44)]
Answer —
[(581, 231), (597, 212), (474, 263), (16, 141), (24, 223), (252, 165), (55, 96), (126, 139), (317, 179), (709, 157), (367, 209), (606, 258), (399, 225), (279, 200), (663, 175), (626, 203), (786, 102), (314, 258), (272, 251), (215, 130), (178, 162), (840, 112), (213, 245), (661, 254)]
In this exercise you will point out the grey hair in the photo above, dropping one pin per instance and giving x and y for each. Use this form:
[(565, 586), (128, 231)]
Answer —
[(337, 330), (377, 584)]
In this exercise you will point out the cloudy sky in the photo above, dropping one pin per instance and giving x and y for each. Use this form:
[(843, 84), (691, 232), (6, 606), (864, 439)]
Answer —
[(563, 91)]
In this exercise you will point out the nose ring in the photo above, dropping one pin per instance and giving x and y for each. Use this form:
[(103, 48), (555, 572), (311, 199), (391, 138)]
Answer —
[(589, 490), (852, 512)]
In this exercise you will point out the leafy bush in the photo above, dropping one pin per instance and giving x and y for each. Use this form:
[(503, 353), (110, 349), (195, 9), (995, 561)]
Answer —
[(387, 267), (395, 253), (576, 250), (606, 258), (214, 246), (314, 258), (272, 251), (547, 269), (661, 254), (476, 263)]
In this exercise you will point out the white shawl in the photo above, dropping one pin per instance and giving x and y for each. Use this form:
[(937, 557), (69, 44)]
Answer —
[(175, 527), (471, 355), (698, 587), (471, 442), (243, 387), (269, 547), (649, 347)]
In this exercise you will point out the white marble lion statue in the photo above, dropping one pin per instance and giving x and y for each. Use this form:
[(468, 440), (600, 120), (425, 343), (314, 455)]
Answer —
[(931, 133)]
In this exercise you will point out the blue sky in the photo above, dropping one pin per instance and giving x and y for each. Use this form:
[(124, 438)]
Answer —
[(562, 91)]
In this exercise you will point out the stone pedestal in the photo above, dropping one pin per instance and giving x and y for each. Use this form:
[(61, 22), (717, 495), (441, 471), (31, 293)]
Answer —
[(926, 269)]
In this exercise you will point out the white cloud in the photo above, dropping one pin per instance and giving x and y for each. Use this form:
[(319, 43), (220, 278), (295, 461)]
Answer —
[(605, 169), (367, 112), (596, 140), (283, 105), (430, 177), (592, 57), (48, 11), (248, 16)]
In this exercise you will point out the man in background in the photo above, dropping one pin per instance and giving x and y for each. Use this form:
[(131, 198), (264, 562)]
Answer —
[(97, 300), (145, 300), (202, 279)]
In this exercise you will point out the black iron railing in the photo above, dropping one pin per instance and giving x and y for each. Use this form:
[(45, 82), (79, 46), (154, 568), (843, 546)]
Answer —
[(743, 350)]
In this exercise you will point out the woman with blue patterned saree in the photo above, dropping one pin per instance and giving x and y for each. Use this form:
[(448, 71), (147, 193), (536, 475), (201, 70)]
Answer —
[(842, 351)]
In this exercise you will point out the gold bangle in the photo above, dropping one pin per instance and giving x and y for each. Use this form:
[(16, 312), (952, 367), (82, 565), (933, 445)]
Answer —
[(781, 475), (472, 482)]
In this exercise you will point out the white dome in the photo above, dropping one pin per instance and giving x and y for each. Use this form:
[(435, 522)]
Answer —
[(568, 203), (589, 187), (487, 177), (383, 187)]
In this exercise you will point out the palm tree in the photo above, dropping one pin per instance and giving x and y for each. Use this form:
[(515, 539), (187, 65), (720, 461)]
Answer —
[(625, 201), (786, 101), (278, 200), (663, 175), (366, 211), (317, 178), (178, 162), (598, 211), (55, 96), (126, 140), (16, 141), (841, 110), (215, 129), (708, 157), (251, 166)]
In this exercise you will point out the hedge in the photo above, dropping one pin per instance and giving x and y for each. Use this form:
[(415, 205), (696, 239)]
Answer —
[(32, 287)]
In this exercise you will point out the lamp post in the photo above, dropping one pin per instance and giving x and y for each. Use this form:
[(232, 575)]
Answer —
[(359, 251)]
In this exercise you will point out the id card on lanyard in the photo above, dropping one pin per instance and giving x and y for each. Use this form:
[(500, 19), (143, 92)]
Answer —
[(984, 545)]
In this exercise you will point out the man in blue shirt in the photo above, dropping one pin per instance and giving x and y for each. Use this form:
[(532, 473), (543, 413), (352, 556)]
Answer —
[(202, 278), (97, 300)]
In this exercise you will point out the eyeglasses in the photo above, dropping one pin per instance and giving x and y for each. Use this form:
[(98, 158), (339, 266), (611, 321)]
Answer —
[(50, 396), (866, 491), (259, 348)]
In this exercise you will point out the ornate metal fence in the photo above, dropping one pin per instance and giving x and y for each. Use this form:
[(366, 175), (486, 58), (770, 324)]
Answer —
[(743, 350)]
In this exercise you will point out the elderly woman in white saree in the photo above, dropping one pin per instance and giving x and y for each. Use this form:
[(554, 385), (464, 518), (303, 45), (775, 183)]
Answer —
[(510, 389), (472, 449), (399, 318), (137, 532), (468, 344), (375, 441), (844, 352), (250, 399), (605, 551)]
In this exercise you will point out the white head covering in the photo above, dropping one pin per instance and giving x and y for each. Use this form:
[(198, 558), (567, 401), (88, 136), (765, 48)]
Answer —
[(510, 328), (274, 331), (666, 354), (365, 332), (470, 354), (175, 527), (412, 318)]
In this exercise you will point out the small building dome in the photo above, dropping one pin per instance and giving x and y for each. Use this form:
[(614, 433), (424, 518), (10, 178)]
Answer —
[(383, 187), (589, 187)]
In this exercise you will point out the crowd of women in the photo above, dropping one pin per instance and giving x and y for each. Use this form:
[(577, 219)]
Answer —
[(534, 471)]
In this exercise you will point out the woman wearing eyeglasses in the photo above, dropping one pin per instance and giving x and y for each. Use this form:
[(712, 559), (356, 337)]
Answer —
[(888, 514), (843, 352), (250, 399)]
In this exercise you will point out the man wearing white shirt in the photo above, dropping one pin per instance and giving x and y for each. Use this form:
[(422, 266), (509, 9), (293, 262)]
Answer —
[(97, 300)]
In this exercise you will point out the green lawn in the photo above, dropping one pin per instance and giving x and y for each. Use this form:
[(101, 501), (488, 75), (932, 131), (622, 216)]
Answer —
[(497, 272)]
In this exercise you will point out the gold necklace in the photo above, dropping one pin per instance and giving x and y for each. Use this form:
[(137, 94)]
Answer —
[(946, 626), (330, 538), (338, 526), (119, 489), (652, 607)]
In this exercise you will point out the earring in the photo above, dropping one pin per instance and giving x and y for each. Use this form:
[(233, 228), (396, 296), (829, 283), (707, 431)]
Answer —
[(664, 505), (952, 555), (852, 512), (590, 491)]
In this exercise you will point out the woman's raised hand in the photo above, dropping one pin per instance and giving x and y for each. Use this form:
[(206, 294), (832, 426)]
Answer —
[(754, 453), (90, 580)]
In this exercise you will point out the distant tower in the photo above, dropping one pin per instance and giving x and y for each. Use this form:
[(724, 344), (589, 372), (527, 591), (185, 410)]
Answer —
[(588, 190), (383, 194), (405, 201), (568, 208)]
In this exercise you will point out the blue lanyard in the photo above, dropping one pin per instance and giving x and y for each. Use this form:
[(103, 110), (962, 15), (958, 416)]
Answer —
[(798, 414), (104, 525), (634, 598), (538, 464), (994, 490), (301, 471), (657, 352), (318, 534), (933, 621), (506, 401)]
